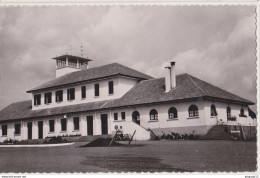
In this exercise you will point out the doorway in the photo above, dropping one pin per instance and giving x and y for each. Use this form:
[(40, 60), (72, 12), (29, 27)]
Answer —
[(40, 129), (29, 133), (90, 125), (136, 117), (104, 126)]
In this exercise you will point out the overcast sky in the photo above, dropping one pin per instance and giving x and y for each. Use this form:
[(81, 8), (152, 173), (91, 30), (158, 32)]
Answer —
[(214, 43)]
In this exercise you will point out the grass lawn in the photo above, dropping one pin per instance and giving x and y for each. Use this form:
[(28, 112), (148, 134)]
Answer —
[(146, 156)]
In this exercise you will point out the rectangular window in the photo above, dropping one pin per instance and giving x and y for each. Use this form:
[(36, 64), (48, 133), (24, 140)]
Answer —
[(4, 130), (115, 116), (83, 92), (61, 63), (17, 129), (59, 96), (63, 124), (110, 87), (96, 89), (51, 125), (123, 115), (37, 100), (76, 123), (71, 94), (73, 63), (47, 98)]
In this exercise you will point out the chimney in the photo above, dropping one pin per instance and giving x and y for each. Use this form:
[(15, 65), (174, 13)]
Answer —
[(173, 75), (167, 79), (170, 77)]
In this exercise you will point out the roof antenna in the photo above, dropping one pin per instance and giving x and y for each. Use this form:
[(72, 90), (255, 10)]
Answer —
[(81, 49)]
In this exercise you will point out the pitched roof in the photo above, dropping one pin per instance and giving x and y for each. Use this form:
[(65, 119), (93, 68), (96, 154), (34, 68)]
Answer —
[(145, 92), (105, 71), (23, 110), (187, 87)]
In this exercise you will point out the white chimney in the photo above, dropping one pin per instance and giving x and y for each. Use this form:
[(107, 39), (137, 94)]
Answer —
[(170, 77), (167, 79), (173, 75)]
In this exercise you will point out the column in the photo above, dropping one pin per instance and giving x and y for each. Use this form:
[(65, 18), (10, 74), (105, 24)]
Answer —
[(83, 125), (34, 130)]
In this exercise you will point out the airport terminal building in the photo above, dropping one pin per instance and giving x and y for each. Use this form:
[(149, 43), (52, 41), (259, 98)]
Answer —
[(83, 101)]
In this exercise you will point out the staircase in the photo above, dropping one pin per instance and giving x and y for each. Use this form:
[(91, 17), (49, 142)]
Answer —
[(217, 132)]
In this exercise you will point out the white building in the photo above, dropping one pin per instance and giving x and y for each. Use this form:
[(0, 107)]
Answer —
[(94, 101)]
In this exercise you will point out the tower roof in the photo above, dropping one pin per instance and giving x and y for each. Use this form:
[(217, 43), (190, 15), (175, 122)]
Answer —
[(71, 56)]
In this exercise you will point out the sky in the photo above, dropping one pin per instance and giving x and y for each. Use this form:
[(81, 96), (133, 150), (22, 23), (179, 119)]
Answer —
[(214, 43)]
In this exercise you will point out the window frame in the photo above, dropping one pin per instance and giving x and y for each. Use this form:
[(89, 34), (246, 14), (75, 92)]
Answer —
[(123, 115), (17, 126), (153, 115), (59, 96), (4, 129), (172, 113), (51, 130), (71, 94), (96, 89), (35, 98), (242, 114), (111, 87), (115, 116), (83, 92), (228, 111), (213, 111), (48, 98), (76, 124), (193, 111), (61, 123)]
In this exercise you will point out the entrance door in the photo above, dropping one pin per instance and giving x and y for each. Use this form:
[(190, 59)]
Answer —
[(29, 127), (90, 125), (104, 127), (136, 117), (40, 129)]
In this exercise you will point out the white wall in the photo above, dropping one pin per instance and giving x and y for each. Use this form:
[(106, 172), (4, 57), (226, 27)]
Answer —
[(221, 108), (121, 86), (183, 123)]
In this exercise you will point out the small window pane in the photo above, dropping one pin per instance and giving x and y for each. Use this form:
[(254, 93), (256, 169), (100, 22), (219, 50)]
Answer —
[(37, 99), (111, 87), (47, 98), (63, 124), (83, 92), (17, 129), (51, 125), (71, 94), (96, 89), (115, 116), (123, 115), (76, 123), (59, 96), (4, 130)]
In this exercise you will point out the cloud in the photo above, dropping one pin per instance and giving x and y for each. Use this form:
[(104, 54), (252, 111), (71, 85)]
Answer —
[(215, 43)]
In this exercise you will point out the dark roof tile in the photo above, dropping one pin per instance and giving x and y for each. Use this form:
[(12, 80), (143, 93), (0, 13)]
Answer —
[(92, 74)]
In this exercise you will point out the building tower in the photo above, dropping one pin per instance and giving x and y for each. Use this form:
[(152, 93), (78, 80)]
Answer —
[(67, 63)]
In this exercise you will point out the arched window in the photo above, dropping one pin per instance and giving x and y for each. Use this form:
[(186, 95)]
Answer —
[(228, 112), (213, 110), (193, 111), (153, 115), (172, 112), (242, 112), (136, 117)]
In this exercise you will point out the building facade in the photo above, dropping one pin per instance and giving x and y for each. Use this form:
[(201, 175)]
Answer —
[(84, 101)]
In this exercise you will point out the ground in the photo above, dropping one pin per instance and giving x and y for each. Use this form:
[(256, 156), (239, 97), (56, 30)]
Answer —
[(146, 156)]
